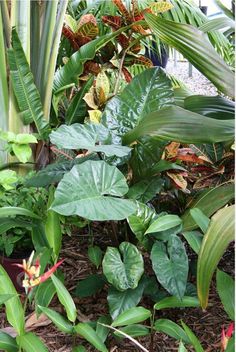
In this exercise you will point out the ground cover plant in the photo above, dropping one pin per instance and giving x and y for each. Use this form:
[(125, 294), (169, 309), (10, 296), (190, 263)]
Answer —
[(97, 137)]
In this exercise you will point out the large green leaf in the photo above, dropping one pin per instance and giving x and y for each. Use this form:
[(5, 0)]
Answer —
[(208, 202), (147, 92), (123, 272), (75, 65), (80, 136), (65, 299), (90, 285), (145, 190), (172, 329), (25, 90), (7, 343), (14, 309), (121, 301), (174, 302), (44, 294), (163, 223), (216, 107), (180, 125), (61, 323), (14, 211), (132, 316), (31, 343), (194, 46), (91, 190), (194, 239), (170, 265), (134, 330), (217, 23), (87, 332), (225, 288), (200, 219), (140, 221), (219, 234)]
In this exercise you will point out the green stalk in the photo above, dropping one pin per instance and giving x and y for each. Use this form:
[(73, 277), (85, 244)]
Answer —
[(3, 89), (48, 26), (53, 58), (35, 36), (6, 22)]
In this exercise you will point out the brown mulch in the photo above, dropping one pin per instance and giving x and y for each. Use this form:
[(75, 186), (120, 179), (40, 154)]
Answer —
[(206, 325)]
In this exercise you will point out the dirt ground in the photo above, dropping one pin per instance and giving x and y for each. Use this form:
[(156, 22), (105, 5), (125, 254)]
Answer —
[(207, 325)]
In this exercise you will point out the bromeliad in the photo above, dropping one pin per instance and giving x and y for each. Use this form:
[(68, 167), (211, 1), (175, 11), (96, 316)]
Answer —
[(32, 271)]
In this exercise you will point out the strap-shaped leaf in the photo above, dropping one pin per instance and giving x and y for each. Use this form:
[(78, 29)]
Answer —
[(219, 234), (180, 125), (195, 46), (87, 332), (61, 323), (25, 90), (14, 309), (225, 288), (91, 190), (7, 343), (31, 343)]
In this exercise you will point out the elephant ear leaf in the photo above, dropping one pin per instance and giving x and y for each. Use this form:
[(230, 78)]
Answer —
[(149, 91), (93, 190), (194, 46), (25, 90)]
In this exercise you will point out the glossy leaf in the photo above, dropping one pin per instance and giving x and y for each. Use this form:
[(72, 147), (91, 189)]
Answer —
[(45, 293), (174, 302), (163, 223), (132, 316), (172, 329), (121, 301), (91, 336), (217, 238), (194, 239), (61, 323), (208, 202), (216, 107), (53, 227), (73, 113), (193, 338), (123, 268), (196, 48), (140, 221), (82, 136), (145, 190), (31, 343), (26, 93), (14, 309), (147, 92), (95, 255), (7, 343), (225, 288), (23, 152), (170, 265), (180, 125), (91, 190), (135, 330), (65, 298), (75, 65), (200, 218)]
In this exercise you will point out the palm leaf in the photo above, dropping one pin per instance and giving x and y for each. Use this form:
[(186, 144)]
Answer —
[(195, 46)]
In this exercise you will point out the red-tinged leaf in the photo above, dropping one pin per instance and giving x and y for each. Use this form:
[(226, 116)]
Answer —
[(178, 180), (92, 67), (206, 181), (135, 48), (115, 22), (67, 32), (123, 40), (142, 60), (123, 10), (139, 29), (190, 158), (135, 9), (88, 30), (230, 330), (86, 19), (127, 75), (49, 273), (82, 40), (171, 150)]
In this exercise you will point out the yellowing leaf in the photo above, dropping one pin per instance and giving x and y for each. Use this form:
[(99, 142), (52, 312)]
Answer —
[(160, 7), (95, 116), (102, 87), (178, 180), (89, 99)]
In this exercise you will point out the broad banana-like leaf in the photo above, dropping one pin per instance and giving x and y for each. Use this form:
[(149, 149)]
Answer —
[(91, 190), (194, 46), (208, 202), (74, 67), (177, 124), (216, 107), (150, 91), (219, 234), (25, 90)]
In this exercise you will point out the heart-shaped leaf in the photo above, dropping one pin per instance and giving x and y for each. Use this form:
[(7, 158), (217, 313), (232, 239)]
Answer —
[(170, 265), (126, 273), (95, 255), (91, 190)]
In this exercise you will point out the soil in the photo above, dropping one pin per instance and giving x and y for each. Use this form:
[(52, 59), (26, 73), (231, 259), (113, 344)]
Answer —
[(206, 325)]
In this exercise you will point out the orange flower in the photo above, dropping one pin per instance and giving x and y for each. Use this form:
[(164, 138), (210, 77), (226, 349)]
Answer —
[(32, 277)]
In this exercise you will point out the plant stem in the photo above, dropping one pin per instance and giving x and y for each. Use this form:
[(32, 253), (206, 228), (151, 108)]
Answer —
[(119, 73)]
